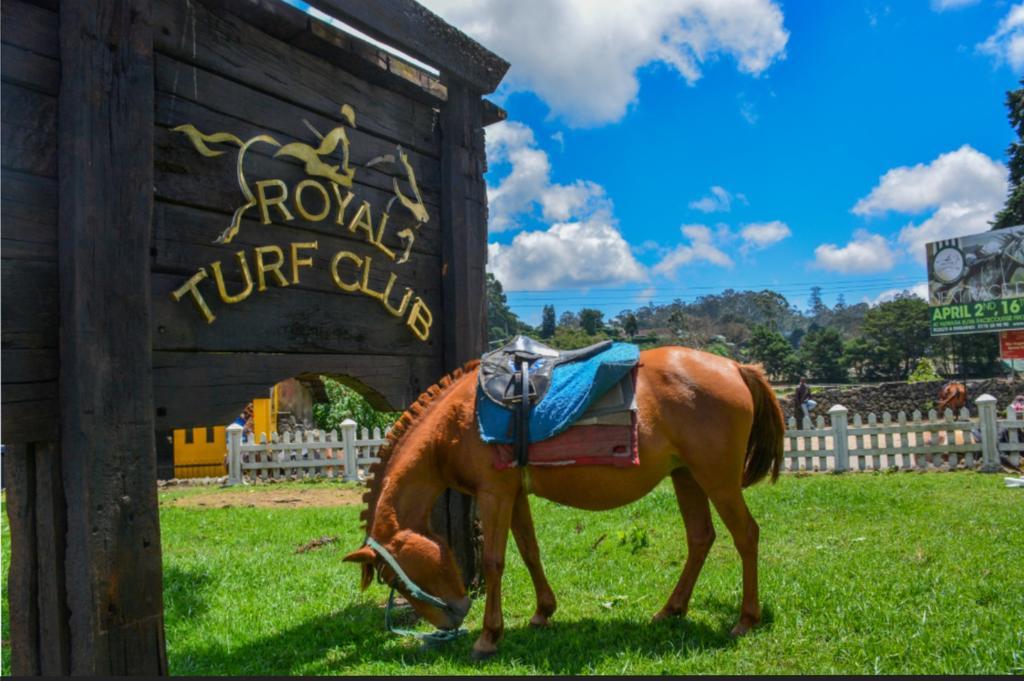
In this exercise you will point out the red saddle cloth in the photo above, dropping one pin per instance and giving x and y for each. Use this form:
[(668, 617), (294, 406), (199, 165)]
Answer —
[(605, 435)]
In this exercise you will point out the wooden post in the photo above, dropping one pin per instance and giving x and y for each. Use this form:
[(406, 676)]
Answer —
[(348, 438), (464, 248), (234, 454), (106, 115), (840, 440), (989, 433)]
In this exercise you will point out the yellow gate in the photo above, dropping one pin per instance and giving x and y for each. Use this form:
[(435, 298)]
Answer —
[(201, 452)]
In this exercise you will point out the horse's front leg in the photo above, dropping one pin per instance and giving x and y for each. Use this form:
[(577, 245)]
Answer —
[(526, 540), (495, 509)]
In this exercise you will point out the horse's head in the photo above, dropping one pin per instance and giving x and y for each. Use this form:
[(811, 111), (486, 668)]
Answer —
[(428, 565)]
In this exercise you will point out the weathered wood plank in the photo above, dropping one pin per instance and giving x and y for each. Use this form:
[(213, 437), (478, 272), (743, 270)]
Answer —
[(28, 228), (215, 103), (113, 561), (464, 233), (281, 320), (29, 297), (181, 244), (415, 30), (30, 412), (367, 61), (241, 52), (29, 365), (464, 229), (185, 177), (197, 388), (29, 27), (28, 131), (19, 471), (23, 67), (51, 523)]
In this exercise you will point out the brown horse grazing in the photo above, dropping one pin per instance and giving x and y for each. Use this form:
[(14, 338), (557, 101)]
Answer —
[(711, 424), (953, 396)]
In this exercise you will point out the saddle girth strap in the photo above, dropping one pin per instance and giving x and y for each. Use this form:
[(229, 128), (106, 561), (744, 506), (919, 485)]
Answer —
[(523, 414)]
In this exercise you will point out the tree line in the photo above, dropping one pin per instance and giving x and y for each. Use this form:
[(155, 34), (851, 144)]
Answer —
[(837, 344)]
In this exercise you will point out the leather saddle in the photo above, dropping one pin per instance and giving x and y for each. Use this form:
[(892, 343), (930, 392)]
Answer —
[(517, 376)]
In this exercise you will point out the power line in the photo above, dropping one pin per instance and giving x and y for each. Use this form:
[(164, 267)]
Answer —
[(768, 285), (670, 297)]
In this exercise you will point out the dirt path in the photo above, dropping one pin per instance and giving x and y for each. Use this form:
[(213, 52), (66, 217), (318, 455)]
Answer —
[(270, 497)]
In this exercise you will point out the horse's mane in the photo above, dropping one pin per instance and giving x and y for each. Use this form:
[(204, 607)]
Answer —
[(398, 430)]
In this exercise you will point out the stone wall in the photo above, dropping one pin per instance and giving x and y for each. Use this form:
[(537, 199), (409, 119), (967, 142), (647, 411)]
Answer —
[(902, 396)]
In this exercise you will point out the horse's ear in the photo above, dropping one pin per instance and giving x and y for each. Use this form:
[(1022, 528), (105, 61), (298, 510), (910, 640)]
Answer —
[(365, 557), (363, 554)]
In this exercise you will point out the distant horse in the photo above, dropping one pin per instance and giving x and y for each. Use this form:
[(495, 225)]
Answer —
[(712, 425), (953, 396)]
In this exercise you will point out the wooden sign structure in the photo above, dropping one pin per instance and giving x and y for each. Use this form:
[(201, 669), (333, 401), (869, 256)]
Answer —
[(200, 199)]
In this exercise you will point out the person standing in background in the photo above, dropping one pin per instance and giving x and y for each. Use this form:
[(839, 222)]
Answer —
[(802, 402)]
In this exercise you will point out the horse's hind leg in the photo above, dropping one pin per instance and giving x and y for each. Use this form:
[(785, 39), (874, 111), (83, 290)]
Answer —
[(700, 535), (745, 534), (526, 540)]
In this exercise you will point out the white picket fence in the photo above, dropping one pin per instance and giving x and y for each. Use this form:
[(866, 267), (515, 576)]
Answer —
[(871, 443), (304, 454), (942, 442)]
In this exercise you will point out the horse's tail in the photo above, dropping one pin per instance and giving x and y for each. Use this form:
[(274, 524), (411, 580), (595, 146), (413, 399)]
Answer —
[(764, 447)]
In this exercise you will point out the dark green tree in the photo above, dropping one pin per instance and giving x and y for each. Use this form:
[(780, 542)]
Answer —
[(772, 350), (502, 322), (814, 304), (899, 331), (822, 353), (591, 320), (677, 322), (569, 320), (859, 356), (345, 403), (547, 322), (1013, 213), (630, 324)]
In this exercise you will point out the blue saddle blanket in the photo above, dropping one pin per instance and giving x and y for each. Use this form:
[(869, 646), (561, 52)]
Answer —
[(574, 387)]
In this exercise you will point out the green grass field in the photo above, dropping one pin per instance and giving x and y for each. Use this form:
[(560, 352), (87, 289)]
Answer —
[(860, 574)]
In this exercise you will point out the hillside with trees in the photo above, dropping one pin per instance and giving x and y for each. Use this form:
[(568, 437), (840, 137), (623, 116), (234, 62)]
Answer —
[(838, 344)]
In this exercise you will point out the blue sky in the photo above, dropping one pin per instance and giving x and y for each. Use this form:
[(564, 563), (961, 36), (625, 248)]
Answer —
[(895, 108), (662, 150)]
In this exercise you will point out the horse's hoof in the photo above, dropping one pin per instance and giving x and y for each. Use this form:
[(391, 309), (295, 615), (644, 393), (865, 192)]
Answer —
[(665, 614), (482, 655), (742, 627), (540, 621)]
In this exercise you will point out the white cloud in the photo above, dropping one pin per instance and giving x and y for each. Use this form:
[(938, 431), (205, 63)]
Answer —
[(866, 253), (718, 201), (562, 201), (585, 253), (964, 175), (758, 235), (701, 248), (1006, 45), (747, 109), (583, 246), (943, 5), (963, 188), (582, 57), (528, 184), (919, 290)]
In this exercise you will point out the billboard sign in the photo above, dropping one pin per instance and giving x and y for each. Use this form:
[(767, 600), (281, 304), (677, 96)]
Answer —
[(976, 282), (1011, 344)]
